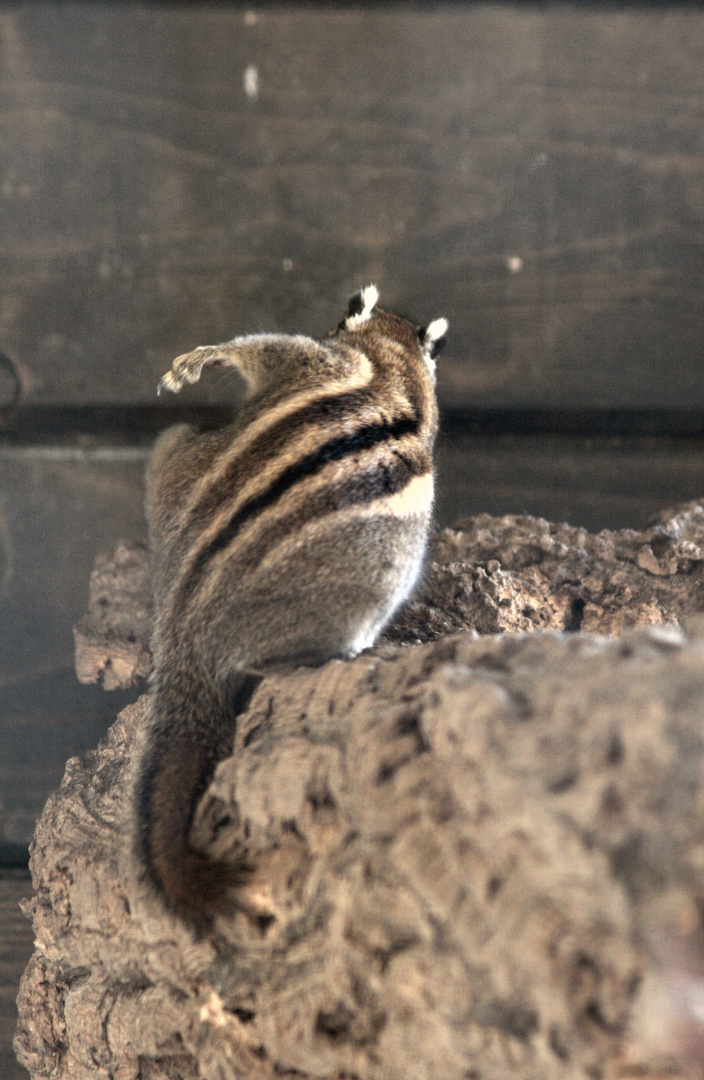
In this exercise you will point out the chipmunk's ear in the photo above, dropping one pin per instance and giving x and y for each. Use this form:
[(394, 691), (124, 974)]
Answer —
[(360, 307), (433, 338)]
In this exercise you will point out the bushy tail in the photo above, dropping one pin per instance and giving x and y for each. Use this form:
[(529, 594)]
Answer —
[(191, 728)]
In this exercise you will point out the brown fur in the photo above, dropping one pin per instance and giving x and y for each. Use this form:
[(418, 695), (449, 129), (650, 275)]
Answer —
[(289, 536)]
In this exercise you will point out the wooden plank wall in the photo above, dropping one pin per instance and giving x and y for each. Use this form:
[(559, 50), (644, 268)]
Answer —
[(178, 173), (172, 174)]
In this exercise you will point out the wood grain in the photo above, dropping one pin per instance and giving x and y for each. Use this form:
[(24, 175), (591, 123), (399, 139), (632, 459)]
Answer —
[(59, 506), (597, 483), (536, 175)]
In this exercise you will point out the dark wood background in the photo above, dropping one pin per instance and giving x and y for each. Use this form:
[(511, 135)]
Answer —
[(538, 175), (173, 174)]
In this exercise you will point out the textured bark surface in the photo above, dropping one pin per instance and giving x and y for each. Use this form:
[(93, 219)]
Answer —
[(491, 575), (112, 639), (481, 857)]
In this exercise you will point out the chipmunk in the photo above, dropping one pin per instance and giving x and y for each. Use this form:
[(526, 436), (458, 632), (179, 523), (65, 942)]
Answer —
[(288, 537)]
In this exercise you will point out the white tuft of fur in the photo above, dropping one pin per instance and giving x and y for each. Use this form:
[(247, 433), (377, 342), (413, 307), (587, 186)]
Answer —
[(434, 331), (370, 296)]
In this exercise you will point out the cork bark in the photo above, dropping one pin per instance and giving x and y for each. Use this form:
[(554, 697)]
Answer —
[(481, 857), (490, 574)]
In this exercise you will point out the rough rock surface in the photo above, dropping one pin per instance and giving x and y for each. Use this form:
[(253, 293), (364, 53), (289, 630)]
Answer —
[(491, 574), (478, 858)]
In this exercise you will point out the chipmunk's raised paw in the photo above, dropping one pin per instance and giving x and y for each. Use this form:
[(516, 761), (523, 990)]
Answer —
[(189, 366)]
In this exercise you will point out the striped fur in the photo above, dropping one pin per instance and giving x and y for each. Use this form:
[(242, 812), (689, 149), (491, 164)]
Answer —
[(290, 536)]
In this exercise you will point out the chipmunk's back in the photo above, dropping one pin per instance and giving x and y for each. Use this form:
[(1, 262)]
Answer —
[(290, 536)]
